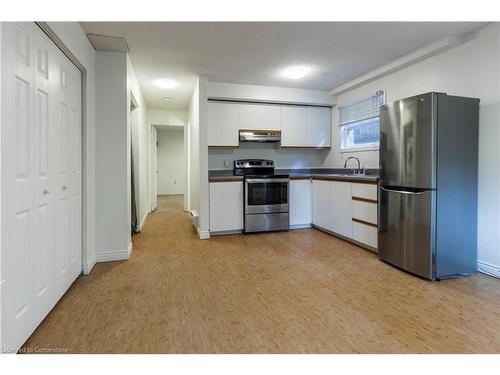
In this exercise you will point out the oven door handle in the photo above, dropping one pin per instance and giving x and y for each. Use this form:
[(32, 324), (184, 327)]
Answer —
[(266, 180)]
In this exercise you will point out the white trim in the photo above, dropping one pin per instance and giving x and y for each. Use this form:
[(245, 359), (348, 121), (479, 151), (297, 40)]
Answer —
[(488, 268), (202, 234), (360, 149), (300, 226), (407, 60), (87, 267), (143, 221), (111, 256)]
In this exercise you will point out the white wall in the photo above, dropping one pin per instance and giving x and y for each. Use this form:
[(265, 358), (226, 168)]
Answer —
[(171, 161), (73, 37), (138, 122), (113, 157), (198, 158), (171, 118), (470, 69)]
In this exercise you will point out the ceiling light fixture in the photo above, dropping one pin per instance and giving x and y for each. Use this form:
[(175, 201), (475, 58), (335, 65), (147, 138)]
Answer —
[(166, 83), (167, 98), (296, 72)]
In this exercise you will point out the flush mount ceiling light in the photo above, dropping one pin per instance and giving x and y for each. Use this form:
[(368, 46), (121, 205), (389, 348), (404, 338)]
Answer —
[(166, 83), (167, 98), (296, 72)]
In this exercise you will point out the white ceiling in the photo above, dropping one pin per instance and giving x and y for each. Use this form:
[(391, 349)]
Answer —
[(256, 52)]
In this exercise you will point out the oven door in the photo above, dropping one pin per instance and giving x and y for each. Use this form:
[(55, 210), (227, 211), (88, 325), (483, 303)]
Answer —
[(266, 195)]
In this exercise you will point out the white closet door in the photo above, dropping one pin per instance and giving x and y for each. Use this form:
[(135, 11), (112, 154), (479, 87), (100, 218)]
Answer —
[(41, 225)]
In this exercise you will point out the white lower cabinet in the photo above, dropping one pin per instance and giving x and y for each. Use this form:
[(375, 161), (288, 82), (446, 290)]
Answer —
[(300, 203), (346, 208), (365, 234), (226, 206), (321, 198), (365, 211), (340, 208)]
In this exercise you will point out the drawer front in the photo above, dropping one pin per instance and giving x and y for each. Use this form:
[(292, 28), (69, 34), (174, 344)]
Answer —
[(365, 234), (366, 191), (365, 211)]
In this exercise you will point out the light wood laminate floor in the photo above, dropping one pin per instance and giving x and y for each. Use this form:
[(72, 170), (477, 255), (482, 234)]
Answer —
[(291, 292)]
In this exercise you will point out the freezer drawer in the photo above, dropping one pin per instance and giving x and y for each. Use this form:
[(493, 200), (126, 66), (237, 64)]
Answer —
[(406, 230)]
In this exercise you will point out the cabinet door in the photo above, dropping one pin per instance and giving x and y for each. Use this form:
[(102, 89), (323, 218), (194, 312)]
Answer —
[(321, 198), (300, 202), (294, 126), (226, 206), (319, 126), (222, 124), (340, 208), (259, 116)]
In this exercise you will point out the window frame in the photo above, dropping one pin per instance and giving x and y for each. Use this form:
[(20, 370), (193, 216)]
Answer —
[(344, 127)]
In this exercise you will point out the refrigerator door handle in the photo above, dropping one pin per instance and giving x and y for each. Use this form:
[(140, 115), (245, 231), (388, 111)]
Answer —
[(404, 191)]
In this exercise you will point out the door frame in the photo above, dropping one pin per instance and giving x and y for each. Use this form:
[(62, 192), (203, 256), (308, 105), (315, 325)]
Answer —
[(86, 263)]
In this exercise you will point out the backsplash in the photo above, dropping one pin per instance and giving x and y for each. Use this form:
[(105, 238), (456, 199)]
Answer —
[(283, 157)]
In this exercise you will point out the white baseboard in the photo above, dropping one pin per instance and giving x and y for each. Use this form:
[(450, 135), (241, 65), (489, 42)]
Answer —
[(202, 234), (143, 221), (111, 256), (87, 267), (300, 226), (488, 268)]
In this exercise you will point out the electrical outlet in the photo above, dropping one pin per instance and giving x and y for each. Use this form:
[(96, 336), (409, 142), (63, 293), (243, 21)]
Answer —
[(227, 163)]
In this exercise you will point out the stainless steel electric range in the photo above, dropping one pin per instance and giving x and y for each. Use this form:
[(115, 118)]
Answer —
[(266, 196)]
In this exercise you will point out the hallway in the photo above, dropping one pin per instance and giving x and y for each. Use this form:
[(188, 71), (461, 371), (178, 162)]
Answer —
[(289, 292)]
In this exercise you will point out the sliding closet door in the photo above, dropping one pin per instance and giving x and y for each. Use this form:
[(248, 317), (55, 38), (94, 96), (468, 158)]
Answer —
[(67, 121), (41, 179)]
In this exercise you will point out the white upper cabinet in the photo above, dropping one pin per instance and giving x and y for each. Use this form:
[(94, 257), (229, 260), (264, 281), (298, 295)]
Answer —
[(301, 126), (305, 126), (319, 126), (259, 116), (294, 131), (223, 124)]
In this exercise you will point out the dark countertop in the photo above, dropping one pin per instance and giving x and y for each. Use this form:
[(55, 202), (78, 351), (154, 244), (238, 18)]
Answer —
[(331, 174), (226, 178)]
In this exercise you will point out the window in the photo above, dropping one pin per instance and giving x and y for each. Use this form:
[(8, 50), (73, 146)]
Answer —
[(360, 123)]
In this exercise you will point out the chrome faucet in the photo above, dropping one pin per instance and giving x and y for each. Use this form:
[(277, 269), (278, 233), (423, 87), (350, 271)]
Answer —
[(356, 171)]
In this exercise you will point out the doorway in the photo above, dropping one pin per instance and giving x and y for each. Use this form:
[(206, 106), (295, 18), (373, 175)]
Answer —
[(170, 161)]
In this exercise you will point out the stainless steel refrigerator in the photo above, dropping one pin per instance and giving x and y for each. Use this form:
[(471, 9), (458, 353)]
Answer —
[(428, 185)]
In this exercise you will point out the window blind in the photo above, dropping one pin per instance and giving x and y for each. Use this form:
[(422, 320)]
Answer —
[(362, 110)]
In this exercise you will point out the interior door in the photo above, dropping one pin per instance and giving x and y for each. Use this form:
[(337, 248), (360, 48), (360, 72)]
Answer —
[(41, 133), (405, 236), (407, 142)]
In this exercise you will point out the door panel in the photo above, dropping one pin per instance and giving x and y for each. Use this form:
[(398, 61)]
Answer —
[(340, 208), (407, 143), (319, 126), (321, 198), (294, 126), (406, 230), (34, 166)]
